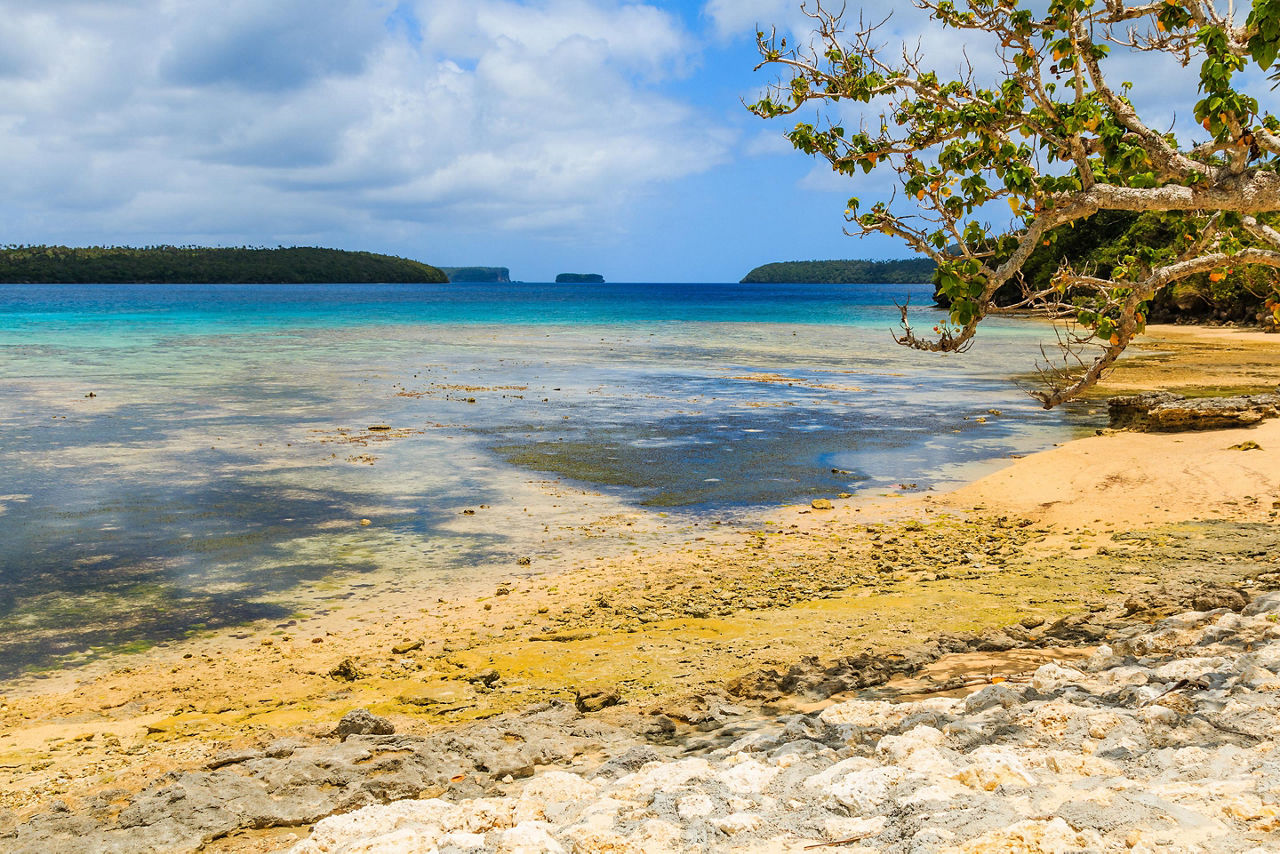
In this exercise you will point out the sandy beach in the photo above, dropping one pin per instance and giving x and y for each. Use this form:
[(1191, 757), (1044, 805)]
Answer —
[(1122, 521)]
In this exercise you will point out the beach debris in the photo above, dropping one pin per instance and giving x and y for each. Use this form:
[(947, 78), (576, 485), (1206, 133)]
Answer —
[(1246, 446), (364, 523), (406, 647), (362, 722), (379, 427), (524, 561), (346, 671), (821, 504)]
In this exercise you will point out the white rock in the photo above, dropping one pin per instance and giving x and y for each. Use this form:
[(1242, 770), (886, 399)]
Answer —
[(931, 838), (1103, 657), (1189, 668), (662, 777), (1256, 678), (1268, 657), (603, 810), (423, 822), (593, 840), (854, 828), (1102, 724), (863, 791), (747, 777), (462, 840), (895, 748), (991, 767), (864, 713), (930, 763), (1055, 718), (825, 778), (657, 837), (1052, 676), (528, 837), (1075, 765), (1034, 837), (697, 805), (1267, 603), (1124, 675), (936, 793), (740, 822), (1157, 717), (481, 815), (550, 795)]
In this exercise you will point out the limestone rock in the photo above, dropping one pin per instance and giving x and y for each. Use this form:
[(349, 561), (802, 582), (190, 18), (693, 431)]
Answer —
[(596, 698), (1167, 412), (363, 722)]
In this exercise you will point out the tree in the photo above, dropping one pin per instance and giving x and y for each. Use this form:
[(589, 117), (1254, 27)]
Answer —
[(1057, 141)]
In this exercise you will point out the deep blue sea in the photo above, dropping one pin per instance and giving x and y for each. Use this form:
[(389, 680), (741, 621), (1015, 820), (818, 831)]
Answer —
[(180, 458)]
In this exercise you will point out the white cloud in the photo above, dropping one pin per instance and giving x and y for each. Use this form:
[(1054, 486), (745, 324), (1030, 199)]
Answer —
[(257, 121), (736, 18)]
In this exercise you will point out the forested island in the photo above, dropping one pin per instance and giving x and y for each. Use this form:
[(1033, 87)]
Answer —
[(477, 274), (205, 265), (848, 272), (579, 279)]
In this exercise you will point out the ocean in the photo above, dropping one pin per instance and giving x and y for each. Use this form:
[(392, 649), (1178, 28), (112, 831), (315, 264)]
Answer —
[(177, 459)]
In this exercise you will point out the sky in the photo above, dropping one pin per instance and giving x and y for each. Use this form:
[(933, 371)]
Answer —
[(547, 136)]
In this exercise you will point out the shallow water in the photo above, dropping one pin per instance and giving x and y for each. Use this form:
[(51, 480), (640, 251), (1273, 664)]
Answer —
[(224, 459)]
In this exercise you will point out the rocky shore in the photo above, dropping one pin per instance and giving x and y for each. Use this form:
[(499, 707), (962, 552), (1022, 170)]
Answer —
[(703, 640), (996, 751), (1163, 740)]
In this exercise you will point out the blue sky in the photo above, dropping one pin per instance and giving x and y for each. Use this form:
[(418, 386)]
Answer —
[(543, 135)]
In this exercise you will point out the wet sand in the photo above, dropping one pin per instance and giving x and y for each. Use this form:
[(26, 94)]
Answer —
[(692, 605)]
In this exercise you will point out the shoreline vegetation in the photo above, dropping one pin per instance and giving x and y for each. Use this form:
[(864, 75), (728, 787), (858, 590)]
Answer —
[(843, 272), (680, 644), (174, 265)]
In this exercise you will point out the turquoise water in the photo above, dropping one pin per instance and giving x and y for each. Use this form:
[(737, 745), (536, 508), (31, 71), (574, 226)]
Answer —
[(180, 458)]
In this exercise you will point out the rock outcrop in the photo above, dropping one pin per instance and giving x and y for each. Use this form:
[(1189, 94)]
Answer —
[(703, 772), (1168, 412), (1163, 741), (293, 783)]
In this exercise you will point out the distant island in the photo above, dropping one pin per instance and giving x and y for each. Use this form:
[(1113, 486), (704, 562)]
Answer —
[(852, 272), (197, 265), (477, 274), (579, 279)]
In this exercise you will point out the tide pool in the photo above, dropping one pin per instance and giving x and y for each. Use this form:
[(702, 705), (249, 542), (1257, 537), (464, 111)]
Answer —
[(181, 458)]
